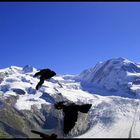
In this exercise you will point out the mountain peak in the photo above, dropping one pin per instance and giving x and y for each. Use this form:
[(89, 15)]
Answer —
[(113, 74), (120, 60), (28, 69)]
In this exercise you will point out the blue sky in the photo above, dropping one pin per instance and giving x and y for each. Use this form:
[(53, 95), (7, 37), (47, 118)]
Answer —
[(68, 37)]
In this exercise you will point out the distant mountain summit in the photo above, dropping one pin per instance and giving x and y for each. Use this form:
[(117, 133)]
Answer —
[(27, 68), (117, 74)]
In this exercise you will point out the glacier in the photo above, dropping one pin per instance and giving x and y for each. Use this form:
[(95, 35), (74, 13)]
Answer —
[(112, 87)]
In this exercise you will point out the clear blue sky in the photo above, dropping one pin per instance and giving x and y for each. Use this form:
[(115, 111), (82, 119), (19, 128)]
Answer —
[(68, 37)]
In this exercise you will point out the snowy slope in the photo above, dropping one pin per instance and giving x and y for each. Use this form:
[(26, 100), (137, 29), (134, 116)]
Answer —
[(112, 87)]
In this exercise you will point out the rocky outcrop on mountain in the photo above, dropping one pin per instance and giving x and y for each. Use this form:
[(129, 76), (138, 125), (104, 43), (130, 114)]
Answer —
[(19, 123)]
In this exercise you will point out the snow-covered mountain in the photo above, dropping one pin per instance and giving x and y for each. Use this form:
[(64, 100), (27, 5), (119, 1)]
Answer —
[(119, 76), (112, 87)]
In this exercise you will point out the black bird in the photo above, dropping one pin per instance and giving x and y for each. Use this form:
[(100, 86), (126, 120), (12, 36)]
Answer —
[(43, 135), (71, 113), (44, 74)]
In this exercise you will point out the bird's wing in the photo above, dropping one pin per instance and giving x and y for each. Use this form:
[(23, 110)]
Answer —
[(84, 108), (43, 135), (70, 117)]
